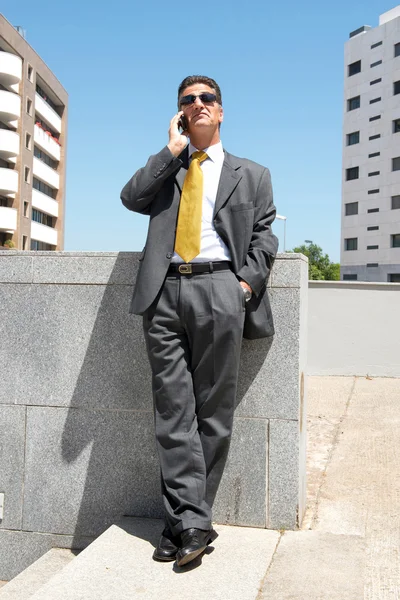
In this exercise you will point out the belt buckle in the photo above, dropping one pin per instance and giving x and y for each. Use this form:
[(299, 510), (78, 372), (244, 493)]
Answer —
[(185, 269)]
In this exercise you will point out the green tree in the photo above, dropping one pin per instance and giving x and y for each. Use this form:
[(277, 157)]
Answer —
[(319, 264)]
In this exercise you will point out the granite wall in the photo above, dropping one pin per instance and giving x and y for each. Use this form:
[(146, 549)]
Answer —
[(77, 447)]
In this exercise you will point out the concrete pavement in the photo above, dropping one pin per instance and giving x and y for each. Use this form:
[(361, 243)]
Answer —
[(354, 464)]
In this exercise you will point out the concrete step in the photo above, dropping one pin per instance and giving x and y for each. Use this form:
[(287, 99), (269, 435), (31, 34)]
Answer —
[(118, 565), (27, 583), (242, 564)]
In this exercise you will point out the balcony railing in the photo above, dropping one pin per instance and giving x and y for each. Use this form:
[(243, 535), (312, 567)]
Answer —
[(10, 106), (10, 69), (9, 144), (8, 219), (43, 203), (48, 101), (47, 113), (43, 233), (46, 174), (8, 182), (47, 142)]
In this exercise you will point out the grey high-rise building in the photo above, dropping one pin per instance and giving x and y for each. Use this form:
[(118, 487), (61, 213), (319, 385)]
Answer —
[(370, 233), (33, 128)]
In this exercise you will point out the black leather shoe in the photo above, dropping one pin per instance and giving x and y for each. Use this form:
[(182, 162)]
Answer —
[(168, 546), (193, 543)]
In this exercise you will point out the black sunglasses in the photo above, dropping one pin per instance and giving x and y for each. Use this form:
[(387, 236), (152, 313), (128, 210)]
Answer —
[(205, 97)]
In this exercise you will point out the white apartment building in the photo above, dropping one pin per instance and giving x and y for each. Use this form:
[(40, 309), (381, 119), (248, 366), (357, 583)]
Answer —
[(370, 233), (33, 123)]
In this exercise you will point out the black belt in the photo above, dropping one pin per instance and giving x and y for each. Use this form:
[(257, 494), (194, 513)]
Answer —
[(194, 268)]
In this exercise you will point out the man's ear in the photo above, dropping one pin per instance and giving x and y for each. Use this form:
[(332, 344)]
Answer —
[(221, 115)]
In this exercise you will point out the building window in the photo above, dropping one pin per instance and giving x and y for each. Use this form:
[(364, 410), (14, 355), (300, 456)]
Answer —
[(28, 141), (397, 50), (26, 208), (29, 72), (394, 277), (374, 247), (35, 245), (353, 138), (395, 202), (41, 217), (396, 163), (375, 100), (374, 137), (374, 228), (45, 157), (395, 240), (29, 106), (350, 277), (375, 118), (27, 175), (350, 243), (373, 265), (351, 173), (373, 210), (375, 64), (24, 242), (351, 208), (44, 188), (396, 126), (354, 103), (354, 68), (396, 88), (373, 173), (375, 81), (373, 156), (376, 45), (373, 191)]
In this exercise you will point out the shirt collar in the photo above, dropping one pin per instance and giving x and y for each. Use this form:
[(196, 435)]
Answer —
[(215, 152)]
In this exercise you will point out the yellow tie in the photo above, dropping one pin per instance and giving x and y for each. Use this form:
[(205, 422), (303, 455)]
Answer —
[(188, 230)]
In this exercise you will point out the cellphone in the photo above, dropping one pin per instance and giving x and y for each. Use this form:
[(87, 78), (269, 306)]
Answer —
[(182, 123)]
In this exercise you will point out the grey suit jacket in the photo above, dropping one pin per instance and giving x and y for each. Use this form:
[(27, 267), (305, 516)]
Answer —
[(243, 214)]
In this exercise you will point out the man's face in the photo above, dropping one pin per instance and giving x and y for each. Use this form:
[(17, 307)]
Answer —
[(201, 114)]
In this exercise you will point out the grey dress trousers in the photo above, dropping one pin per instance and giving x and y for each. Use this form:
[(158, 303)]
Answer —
[(193, 332)]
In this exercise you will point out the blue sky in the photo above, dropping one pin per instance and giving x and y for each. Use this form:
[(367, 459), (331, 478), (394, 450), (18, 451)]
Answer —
[(280, 68)]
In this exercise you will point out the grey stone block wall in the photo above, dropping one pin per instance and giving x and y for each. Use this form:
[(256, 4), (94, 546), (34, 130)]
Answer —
[(76, 420)]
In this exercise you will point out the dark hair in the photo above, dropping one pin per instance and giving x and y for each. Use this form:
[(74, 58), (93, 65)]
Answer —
[(192, 79)]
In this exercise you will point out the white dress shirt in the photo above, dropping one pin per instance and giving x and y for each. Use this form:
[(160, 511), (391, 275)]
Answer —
[(212, 248)]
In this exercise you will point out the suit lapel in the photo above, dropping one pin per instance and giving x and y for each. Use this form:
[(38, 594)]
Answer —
[(181, 174), (230, 177), (179, 179)]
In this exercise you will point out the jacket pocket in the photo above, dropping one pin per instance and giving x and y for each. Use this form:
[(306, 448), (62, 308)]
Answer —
[(244, 206)]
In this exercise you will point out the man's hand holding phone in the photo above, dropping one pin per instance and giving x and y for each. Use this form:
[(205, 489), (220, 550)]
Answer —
[(178, 139)]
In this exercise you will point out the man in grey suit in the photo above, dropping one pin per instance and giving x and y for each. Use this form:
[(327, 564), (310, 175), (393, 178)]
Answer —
[(201, 287)]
